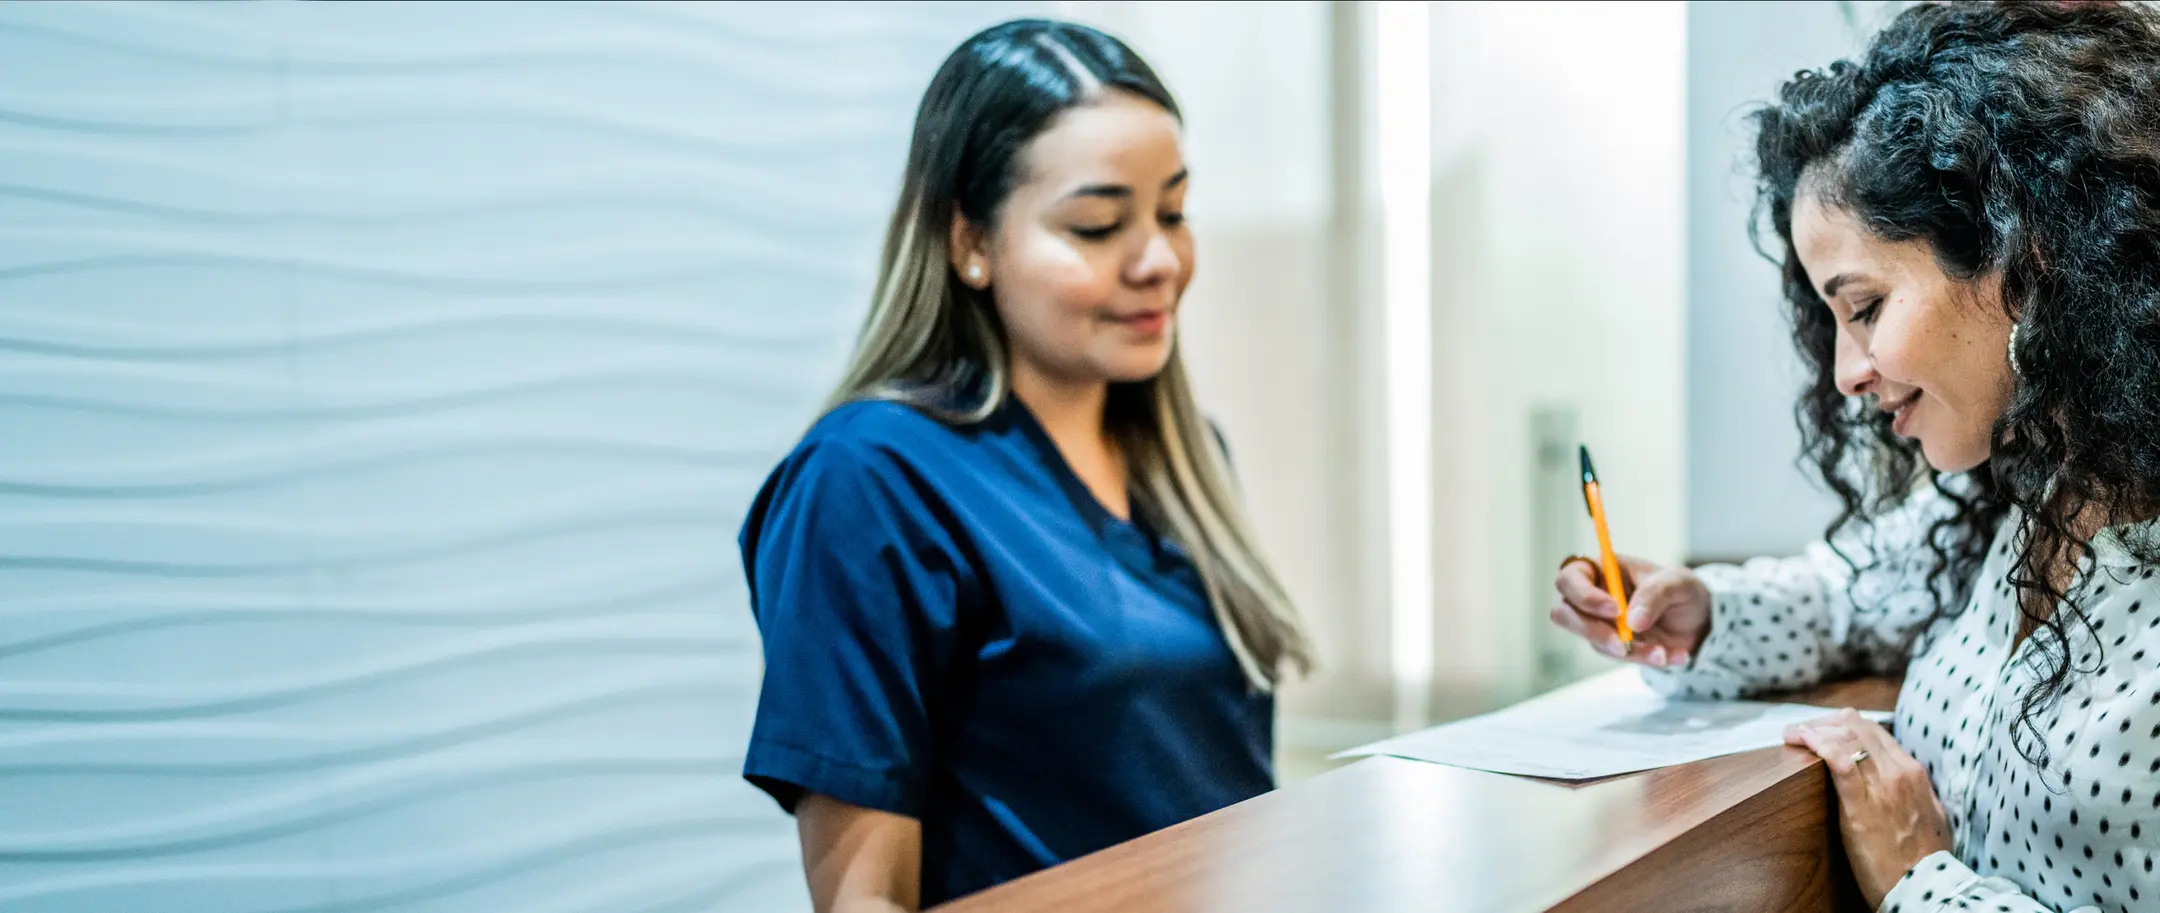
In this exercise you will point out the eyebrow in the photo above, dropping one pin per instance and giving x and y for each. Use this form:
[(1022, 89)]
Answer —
[(1124, 192), (1829, 289)]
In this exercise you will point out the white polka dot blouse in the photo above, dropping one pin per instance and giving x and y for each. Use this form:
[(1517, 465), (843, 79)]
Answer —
[(2080, 835)]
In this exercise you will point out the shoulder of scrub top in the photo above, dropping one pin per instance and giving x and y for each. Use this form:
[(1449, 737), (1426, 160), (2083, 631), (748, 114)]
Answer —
[(889, 429), (861, 457), (895, 444)]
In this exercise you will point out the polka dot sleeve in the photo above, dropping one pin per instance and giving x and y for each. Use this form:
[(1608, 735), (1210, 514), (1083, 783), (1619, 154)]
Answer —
[(1942, 884), (1782, 623)]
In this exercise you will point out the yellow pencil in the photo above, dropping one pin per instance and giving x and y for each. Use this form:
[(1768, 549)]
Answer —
[(1611, 561)]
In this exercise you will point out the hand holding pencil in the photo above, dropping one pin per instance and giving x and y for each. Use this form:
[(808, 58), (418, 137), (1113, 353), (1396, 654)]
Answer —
[(1626, 607)]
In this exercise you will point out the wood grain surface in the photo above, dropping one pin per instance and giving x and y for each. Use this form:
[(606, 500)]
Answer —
[(1753, 832)]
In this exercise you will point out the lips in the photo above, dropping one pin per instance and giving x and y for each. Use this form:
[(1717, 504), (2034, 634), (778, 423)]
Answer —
[(1146, 323), (1901, 410)]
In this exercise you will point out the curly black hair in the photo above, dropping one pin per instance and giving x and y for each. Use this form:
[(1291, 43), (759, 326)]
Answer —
[(2019, 140)]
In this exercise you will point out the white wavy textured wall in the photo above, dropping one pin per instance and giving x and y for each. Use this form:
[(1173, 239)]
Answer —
[(380, 390)]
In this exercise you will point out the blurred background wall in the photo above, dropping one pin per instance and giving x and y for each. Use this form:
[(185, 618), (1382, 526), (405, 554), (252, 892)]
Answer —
[(381, 387), (1746, 498)]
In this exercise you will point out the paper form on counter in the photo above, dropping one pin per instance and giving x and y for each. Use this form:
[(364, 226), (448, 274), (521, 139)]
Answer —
[(1609, 725)]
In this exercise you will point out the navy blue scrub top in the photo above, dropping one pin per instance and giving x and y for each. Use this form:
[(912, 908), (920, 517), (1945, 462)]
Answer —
[(956, 630)]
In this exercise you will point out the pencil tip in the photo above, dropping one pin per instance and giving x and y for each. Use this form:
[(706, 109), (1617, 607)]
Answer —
[(1588, 474)]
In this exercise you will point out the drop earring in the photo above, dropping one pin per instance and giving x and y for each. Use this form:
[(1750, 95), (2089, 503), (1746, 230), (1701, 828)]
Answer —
[(2017, 337)]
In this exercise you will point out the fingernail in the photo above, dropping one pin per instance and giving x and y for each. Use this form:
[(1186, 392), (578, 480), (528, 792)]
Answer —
[(1610, 648), (1657, 657)]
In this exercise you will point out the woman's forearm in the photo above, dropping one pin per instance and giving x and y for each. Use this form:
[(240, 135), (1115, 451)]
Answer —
[(859, 860)]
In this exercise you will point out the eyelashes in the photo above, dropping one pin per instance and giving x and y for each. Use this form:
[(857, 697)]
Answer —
[(1103, 232), (1866, 315)]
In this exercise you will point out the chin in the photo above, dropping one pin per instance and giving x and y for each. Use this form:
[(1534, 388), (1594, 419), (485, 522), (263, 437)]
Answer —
[(1948, 456), (1138, 364)]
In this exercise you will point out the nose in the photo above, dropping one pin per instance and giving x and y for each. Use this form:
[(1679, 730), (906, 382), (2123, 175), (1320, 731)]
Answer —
[(1158, 262), (1854, 368)]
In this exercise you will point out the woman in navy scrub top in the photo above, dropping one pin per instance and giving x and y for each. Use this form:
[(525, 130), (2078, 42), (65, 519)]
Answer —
[(1012, 612)]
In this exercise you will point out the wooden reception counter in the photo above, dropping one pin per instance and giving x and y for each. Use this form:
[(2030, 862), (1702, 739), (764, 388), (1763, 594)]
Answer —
[(1748, 832)]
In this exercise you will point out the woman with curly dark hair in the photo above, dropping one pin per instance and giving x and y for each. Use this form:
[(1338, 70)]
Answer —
[(1969, 224)]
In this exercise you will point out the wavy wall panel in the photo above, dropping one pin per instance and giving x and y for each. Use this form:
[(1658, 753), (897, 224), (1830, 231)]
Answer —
[(380, 390)]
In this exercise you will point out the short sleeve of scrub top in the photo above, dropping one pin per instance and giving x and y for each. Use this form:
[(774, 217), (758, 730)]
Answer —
[(867, 593)]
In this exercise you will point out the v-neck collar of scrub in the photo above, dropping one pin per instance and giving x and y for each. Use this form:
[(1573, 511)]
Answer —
[(1091, 508)]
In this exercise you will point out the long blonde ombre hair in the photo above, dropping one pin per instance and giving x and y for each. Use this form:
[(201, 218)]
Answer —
[(937, 345)]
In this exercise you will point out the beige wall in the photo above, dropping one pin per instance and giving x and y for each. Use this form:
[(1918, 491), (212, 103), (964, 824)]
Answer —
[(1558, 279)]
